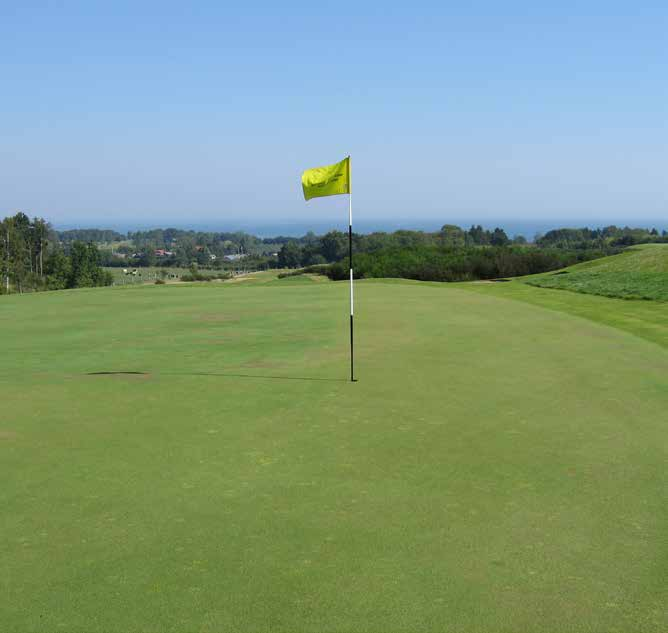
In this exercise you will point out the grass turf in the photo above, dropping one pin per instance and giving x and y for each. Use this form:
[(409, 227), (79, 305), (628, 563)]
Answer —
[(640, 272), (499, 466)]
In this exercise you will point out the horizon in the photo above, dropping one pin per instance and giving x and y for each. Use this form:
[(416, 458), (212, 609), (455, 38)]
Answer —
[(297, 229)]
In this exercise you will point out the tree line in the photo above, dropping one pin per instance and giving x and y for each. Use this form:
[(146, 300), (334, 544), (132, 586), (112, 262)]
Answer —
[(32, 258), (333, 246), (464, 263), (209, 250), (451, 254), (35, 257), (606, 237)]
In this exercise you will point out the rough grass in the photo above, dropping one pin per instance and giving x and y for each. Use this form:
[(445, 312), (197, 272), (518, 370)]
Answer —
[(499, 466), (624, 285), (640, 272), (644, 258)]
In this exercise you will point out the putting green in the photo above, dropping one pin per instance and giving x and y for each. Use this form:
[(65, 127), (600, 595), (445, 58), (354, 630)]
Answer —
[(498, 466)]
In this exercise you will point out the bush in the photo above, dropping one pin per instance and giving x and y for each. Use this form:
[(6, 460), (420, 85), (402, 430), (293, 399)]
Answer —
[(426, 263), (315, 269), (200, 277)]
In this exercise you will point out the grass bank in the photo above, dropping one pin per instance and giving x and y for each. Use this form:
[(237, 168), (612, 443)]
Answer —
[(640, 272)]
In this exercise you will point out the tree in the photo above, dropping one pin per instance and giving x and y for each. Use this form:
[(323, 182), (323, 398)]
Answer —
[(334, 246), (5, 253), (40, 237), (85, 268), (289, 256), (58, 271), (19, 260), (452, 235), (478, 235), (499, 238), (147, 258)]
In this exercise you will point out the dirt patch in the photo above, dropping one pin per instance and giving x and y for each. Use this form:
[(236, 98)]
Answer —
[(8, 435)]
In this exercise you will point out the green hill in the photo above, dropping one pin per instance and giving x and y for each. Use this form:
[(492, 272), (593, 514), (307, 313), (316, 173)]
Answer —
[(645, 258), (191, 457), (640, 272)]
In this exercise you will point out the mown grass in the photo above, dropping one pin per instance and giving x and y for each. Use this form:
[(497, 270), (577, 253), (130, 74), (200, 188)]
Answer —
[(646, 319), (499, 466), (639, 273)]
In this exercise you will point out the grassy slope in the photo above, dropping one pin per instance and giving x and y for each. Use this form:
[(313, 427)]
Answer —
[(640, 272), (646, 319), (648, 258), (499, 466)]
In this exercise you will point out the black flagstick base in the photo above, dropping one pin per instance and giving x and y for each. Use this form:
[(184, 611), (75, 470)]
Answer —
[(352, 365), (350, 256)]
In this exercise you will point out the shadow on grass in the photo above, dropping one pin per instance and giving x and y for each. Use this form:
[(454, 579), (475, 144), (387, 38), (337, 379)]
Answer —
[(214, 374), (117, 373), (265, 376)]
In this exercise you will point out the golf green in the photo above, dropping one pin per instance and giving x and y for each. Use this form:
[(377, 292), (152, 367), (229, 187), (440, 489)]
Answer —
[(192, 458)]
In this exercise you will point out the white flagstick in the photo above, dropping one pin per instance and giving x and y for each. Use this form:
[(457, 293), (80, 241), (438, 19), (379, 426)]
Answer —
[(350, 256)]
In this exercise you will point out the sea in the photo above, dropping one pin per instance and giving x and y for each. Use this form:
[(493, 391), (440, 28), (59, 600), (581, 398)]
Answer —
[(298, 228)]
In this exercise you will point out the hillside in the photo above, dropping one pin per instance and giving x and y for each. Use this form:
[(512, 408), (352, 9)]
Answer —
[(191, 457), (640, 272), (645, 258)]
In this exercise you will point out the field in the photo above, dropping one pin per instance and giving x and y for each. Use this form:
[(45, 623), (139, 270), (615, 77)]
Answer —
[(148, 274), (640, 272), (191, 457)]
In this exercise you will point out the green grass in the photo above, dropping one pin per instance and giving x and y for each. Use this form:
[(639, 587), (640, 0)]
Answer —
[(645, 319), (499, 466), (640, 272), (649, 258)]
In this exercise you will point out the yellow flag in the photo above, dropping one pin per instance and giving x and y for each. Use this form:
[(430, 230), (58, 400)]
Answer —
[(330, 180)]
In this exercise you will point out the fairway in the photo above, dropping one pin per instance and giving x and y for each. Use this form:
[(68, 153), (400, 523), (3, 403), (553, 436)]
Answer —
[(192, 458)]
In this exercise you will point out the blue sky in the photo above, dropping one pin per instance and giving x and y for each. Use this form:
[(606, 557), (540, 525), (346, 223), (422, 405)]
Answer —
[(155, 113)]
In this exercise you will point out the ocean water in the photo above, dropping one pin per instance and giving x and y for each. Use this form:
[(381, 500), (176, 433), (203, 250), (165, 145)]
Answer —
[(298, 228)]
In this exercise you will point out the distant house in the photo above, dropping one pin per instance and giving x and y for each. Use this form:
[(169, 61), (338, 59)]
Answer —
[(161, 252), (235, 257), (212, 257)]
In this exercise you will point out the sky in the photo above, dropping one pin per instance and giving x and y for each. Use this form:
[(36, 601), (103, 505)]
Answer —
[(206, 113)]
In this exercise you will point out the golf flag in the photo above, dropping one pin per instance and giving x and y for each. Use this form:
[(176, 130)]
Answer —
[(330, 180), (333, 180)]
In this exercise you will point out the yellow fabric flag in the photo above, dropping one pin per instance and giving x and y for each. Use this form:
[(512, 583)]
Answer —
[(330, 180)]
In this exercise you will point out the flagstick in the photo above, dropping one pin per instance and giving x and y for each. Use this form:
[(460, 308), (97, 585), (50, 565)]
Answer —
[(350, 257)]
